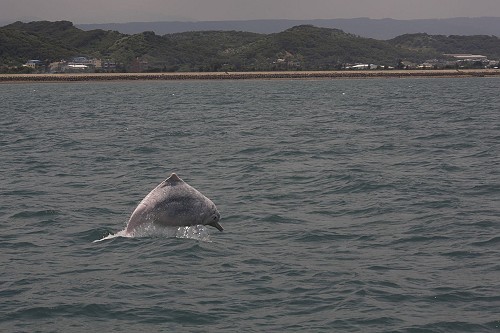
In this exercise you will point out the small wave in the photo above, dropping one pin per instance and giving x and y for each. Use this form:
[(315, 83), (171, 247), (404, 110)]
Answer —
[(196, 232), (489, 242), (37, 213), (113, 236)]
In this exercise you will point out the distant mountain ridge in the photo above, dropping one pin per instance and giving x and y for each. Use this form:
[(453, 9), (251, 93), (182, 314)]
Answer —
[(365, 27)]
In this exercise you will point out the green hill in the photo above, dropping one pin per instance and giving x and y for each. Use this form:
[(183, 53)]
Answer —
[(308, 47), (18, 46), (303, 47), (51, 41), (189, 51), (436, 45)]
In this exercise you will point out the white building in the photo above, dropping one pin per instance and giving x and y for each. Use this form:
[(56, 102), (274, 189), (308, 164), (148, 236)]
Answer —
[(33, 64), (363, 66), (468, 57)]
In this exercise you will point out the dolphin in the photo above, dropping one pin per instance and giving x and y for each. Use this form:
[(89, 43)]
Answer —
[(174, 203)]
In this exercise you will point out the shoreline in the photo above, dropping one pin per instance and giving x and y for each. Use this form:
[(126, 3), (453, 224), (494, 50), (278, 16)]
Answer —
[(365, 74)]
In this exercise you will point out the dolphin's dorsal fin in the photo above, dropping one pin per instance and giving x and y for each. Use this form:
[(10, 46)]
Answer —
[(173, 179)]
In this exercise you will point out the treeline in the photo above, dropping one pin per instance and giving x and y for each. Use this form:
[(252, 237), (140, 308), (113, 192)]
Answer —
[(300, 48)]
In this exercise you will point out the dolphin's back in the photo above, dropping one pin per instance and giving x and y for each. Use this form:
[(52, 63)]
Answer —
[(174, 203)]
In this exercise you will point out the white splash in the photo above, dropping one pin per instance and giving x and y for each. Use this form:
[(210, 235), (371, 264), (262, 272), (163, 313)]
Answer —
[(112, 236), (196, 232)]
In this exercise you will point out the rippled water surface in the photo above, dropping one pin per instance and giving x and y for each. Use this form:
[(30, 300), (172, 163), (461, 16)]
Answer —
[(348, 206)]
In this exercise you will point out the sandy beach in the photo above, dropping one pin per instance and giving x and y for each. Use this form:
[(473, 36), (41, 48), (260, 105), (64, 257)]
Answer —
[(248, 75)]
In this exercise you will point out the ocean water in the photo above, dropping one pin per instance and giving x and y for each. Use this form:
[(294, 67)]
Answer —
[(348, 206)]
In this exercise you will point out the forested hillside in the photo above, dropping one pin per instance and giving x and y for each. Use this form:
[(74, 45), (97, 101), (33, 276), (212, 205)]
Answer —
[(440, 44), (299, 48)]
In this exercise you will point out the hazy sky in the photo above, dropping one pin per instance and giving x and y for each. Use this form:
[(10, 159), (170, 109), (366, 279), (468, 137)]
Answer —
[(106, 11)]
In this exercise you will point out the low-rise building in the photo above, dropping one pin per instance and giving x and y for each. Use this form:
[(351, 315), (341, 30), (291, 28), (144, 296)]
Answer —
[(108, 66), (76, 65), (362, 66), (35, 64), (467, 57), (466, 60)]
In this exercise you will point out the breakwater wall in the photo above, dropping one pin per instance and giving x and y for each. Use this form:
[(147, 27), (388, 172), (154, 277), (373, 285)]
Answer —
[(245, 75)]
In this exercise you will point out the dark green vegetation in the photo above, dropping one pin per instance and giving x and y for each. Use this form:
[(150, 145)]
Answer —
[(300, 48), (436, 45)]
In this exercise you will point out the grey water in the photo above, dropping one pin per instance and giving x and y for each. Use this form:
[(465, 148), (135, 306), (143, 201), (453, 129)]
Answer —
[(348, 206)]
